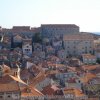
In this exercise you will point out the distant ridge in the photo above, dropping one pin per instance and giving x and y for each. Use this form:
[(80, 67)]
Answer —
[(96, 35)]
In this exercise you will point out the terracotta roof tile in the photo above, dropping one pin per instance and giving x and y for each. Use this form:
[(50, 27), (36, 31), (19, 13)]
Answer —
[(73, 91), (49, 90), (5, 79), (89, 67), (30, 92), (38, 78), (77, 37), (87, 77), (9, 87), (89, 56)]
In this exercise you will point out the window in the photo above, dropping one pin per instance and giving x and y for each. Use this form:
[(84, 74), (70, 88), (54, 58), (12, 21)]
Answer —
[(90, 51), (83, 48), (74, 47), (74, 42), (86, 42), (1, 93), (27, 49), (68, 42), (1, 96), (74, 51), (68, 47), (9, 96)]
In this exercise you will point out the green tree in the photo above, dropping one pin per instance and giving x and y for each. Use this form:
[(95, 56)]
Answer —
[(37, 38), (98, 60)]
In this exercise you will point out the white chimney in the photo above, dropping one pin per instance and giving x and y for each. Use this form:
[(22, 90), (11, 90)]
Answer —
[(18, 72)]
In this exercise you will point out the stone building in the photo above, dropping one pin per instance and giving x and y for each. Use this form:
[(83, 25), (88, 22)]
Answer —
[(78, 44), (57, 30), (27, 49)]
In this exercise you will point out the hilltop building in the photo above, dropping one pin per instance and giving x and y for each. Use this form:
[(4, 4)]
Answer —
[(58, 30)]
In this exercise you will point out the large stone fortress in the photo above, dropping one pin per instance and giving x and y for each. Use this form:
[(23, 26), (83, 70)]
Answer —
[(52, 30)]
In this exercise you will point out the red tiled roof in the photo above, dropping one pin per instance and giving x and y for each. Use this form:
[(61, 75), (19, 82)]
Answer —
[(25, 73), (89, 56), (48, 90), (41, 76), (30, 92), (77, 37), (87, 77), (9, 87), (89, 67), (5, 79), (73, 91), (21, 28)]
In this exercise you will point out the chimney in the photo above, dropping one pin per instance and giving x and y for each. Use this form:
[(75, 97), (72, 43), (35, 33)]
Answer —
[(18, 71)]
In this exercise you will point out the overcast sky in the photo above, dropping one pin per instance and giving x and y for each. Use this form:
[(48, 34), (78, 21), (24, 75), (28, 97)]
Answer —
[(85, 13)]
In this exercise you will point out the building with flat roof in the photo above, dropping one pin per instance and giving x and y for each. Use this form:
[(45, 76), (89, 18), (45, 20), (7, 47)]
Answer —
[(21, 28), (53, 30)]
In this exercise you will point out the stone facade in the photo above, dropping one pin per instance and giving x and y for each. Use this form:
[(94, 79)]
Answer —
[(78, 44), (57, 30)]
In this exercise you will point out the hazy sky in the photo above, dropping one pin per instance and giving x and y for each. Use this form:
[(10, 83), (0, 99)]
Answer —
[(85, 13)]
